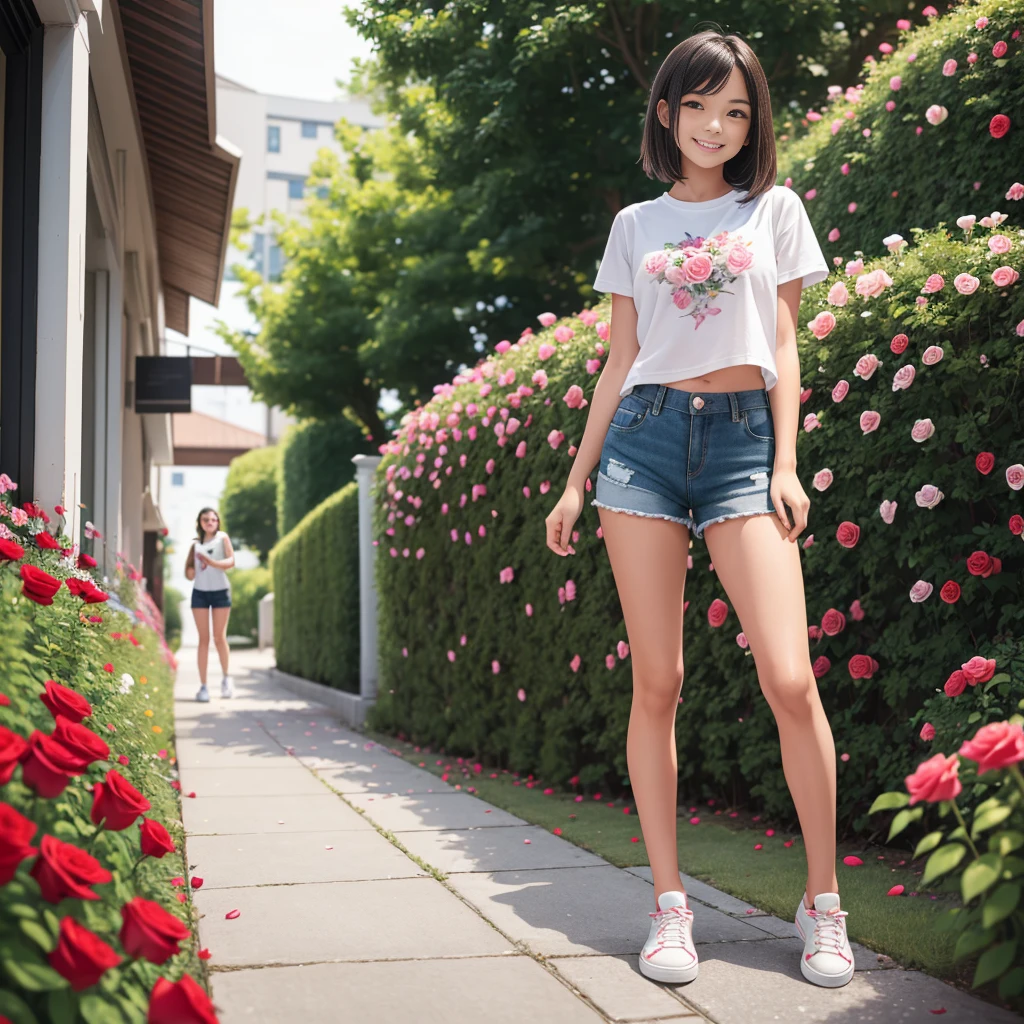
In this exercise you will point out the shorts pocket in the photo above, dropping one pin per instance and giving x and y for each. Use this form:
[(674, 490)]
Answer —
[(632, 411), (759, 423)]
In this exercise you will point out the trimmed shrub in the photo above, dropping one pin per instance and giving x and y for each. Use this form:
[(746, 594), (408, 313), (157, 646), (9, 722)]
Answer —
[(172, 616), (247, 587), (315, 571), (249, 501), (316, 461), (907, 171)]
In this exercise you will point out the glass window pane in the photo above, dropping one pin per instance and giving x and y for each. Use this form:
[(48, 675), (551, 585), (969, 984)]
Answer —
[(309, 129), (273, 138), (296, 188)]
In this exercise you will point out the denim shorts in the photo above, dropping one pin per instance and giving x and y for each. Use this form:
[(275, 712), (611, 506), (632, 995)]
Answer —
[(691, 457), (211, 598)]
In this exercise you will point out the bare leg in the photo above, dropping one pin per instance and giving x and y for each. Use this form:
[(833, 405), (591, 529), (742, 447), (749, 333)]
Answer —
[(648, 559), (763, 578), (202, 617), (220, 635)]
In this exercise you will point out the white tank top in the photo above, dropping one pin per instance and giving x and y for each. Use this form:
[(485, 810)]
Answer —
[(207, 577)]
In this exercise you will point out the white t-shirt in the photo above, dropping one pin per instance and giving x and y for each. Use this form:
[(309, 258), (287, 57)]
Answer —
[(207, 577), (703, 277)]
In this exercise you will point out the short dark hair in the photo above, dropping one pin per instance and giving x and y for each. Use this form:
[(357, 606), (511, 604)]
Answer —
[(710, 56)]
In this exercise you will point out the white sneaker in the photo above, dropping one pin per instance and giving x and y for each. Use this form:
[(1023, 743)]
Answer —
[(203, 694), (227, 687), (668, 954), (827, 957)]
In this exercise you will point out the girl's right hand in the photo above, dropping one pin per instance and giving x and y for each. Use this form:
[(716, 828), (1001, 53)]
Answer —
[(561, 518)]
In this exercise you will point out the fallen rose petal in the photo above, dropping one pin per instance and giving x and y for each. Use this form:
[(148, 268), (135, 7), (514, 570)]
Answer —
[(328, 847), (197, 883), (232, 914), (204, 954), (527, 841), (896, 890), (852, 861)]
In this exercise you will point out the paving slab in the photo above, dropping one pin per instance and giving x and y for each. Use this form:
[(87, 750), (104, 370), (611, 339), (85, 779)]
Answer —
[(704, 893), (616, 986), (372, 920), (379, 776), (761, 983), (302, 812), (225, 862), (493, 849), (454, 810), (565, 911), (498, 990), (195, 754), (292, 781)]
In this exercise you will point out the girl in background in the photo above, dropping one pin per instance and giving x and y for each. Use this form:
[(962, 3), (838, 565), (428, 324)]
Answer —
[(208, 558)]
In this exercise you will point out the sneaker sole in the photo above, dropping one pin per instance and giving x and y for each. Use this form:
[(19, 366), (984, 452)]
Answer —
[(672, 975), (824, 980)]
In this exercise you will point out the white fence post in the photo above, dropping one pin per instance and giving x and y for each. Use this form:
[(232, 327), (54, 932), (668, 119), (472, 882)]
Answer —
[(366, 466), (265, 630)]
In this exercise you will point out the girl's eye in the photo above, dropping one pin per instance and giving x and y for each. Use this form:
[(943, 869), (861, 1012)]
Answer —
[(735, 110)]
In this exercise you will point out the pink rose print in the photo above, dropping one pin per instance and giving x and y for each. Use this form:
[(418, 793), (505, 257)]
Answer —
[(932, 354), (1015, 476), (822, 479), (929, 496), (869, 420), (922, 430), (903, 378), (866, 366), (840, 391)]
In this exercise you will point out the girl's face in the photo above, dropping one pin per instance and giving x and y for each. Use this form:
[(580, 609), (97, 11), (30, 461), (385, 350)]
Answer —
[(722, 120), (209, 522)]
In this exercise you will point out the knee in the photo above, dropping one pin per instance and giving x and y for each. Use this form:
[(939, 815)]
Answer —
[(656, 692), (791, 693)]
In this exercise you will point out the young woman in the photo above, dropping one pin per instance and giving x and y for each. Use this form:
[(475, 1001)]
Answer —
[(210, 554), (693, 423)]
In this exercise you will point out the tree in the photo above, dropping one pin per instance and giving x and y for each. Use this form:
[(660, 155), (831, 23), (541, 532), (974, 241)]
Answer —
[(249, 502)]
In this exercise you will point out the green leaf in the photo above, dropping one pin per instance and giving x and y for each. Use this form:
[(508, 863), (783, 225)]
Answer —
[(12, 1006), (958, 833), (903, 819), (1000, 903), (969, 942), (892, 801), (1011, 983), (989, 818), (973, 717), (39, 935), (62, 1006), (34, 977), (994, 961), (1007, 841), (24, 910), (927, 844), (96, 1010), (981, 875), (944, 859)]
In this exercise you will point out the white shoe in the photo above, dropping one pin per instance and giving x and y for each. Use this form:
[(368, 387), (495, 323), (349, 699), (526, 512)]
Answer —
[(827, 958), (203, 694), (227, 687), (668, 954)]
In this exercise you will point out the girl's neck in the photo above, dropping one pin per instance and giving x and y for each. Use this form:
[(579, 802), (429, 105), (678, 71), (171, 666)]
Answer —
[(207, 536)]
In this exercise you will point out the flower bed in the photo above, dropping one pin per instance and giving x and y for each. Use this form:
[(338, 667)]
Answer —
[(95, 918)]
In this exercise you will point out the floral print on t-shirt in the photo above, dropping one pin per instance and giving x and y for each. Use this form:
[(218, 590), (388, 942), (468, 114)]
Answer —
[(698, 269)]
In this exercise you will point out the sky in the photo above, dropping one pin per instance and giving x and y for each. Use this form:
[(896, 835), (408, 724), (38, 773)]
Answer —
[(292, 48)]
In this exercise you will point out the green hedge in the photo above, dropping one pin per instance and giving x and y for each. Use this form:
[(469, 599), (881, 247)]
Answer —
[(315, 572), (249, 501), (908, 172), (247, 587), (316, 461), (124, 671)]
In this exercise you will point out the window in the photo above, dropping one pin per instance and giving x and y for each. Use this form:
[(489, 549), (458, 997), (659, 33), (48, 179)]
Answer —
[(257, 251), (273, 138), (309, 129), (177, 479), (296, 188), (276, 262)]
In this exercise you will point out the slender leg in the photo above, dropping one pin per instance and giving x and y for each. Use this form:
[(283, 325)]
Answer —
[(220, 635), (202, 617)]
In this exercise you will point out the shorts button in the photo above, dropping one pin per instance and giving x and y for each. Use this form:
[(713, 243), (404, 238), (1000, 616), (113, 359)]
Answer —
[(698, 402)]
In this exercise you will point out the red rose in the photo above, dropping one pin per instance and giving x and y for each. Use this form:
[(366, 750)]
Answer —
[(980, 564), (848, 534), (61, 700), (950, 592), (180, 1002), (862, 666), (44, 540), (80, 740), (984, 461), (899, 344), (76, 586), (935, 780), (978, 669), (64, 869), (955, 684), (81, 956), (149, 931), (47, 765), (12, 749), (998, 126), (86, 561), (37, 585), (821, 666), (118, 801), (833, 622), (36, 511), (10, 552), (1016, 525), (108, 667), (94, 595), (59, 509), (15, 832), (156, 840)]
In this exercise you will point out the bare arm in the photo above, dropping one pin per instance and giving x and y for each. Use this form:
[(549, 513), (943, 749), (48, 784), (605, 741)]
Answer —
[(624, 349), (190, 563), (228, 562)]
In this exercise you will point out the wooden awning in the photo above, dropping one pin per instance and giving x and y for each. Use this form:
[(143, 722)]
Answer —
[(192, 172)]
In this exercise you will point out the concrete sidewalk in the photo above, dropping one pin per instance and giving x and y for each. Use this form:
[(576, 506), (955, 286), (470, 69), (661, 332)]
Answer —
[(370, 891)]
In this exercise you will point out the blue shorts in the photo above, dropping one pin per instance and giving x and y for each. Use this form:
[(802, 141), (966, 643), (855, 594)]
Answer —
[(211, 598), (691, 457)]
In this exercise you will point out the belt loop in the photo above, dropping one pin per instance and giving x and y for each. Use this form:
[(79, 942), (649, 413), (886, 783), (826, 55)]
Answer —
[(659, 398), (734, 407)]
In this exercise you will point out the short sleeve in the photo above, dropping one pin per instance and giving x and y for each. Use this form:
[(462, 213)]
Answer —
[(797, 252), (615, 273)]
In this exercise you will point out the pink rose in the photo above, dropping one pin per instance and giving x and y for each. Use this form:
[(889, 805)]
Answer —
[(922, 430), (654, 264), (999, 50), (872, 284), (955, 684), (821, 666), (935, 780), (675, 274), (936, 114), (848, 534), (978, 670), (869, 420), (573, 398), (811, 421), (887, 510), (822, 479), (866, 366), (903, 377), (899, 343), (840, 391), (929, 496), (949, 68), (1015, 476), (698, 268), (996, 745), (862, 666), (1000, 244), (854, 267), (717, 612), (965, 283), (838, 294), (932, 354), (822, 324), (920, 591), (741, 639), (927, 732), (1003, 277), (833, 622), (935, 283), (739, 258), (856, 611)]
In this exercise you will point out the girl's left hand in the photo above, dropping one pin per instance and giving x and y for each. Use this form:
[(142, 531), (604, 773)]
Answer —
[(203, 557), (786, 487)]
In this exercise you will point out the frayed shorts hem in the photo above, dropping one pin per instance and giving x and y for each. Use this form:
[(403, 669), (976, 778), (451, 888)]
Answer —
[(696, 530), (646, 515)]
